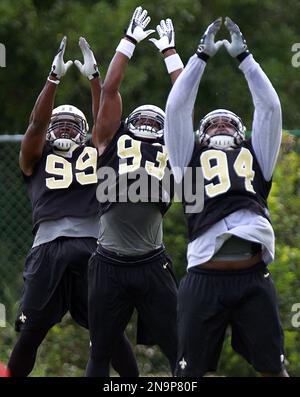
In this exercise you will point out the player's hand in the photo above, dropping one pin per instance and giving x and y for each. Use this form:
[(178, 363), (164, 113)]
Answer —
[(138, 23), (59, 67), (207, 43), (166, 35), (89, 69), (238, 43)]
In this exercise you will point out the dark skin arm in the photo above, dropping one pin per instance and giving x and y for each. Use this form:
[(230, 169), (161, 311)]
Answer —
[(35, 136), (110, 111), (96, 92), (174, 75)]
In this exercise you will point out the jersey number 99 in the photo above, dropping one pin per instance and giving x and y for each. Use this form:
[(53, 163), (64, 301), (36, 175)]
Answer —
[(61, 168)]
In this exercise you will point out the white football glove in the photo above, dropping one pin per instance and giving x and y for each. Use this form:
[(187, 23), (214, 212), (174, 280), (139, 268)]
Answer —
[(89, 68), (138, 23), (59, 67), (166, 34), (238, 43), (207, 43)]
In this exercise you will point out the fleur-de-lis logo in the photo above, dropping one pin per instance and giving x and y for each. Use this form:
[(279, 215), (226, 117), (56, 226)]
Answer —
[(23, 318), (182, 363)]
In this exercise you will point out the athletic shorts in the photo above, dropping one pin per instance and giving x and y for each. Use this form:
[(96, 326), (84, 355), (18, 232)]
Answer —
[(118, 285), (211, 300), (55, 281)]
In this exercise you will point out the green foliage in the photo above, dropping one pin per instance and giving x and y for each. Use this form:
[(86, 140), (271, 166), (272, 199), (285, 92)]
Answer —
[(31, 31)]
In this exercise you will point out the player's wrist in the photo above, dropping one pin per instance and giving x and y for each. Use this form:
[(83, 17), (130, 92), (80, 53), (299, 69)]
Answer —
[(242, 56), (131, 39), (53, 79), (93, 76), (203, 56), (168, 51), (173, 62), (53, 76), (126, 47)]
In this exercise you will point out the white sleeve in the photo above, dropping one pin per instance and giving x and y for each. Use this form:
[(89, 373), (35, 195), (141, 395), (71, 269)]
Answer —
[(267, 120), (179, 130)]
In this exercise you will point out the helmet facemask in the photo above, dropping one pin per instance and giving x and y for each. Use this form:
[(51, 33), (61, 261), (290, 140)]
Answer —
[(146, 122), (66, 129), (221, 129)]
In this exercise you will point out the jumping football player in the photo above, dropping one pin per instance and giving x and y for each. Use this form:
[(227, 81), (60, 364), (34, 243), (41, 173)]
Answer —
[(130, 268), (231, 240), (59, 167)]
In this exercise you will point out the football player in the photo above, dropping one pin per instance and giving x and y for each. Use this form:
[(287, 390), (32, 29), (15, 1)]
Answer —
[(130, 268), (59, 167), (231, 239)]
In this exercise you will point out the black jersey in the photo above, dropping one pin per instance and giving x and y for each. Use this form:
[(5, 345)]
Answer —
[(63, 187), (232, 180), (141, 172)]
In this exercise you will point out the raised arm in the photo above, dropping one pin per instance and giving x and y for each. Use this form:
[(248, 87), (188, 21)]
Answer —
[(166, 45), (90, 70), (110, 111), (34, 138), (179, 130), (267, 120)]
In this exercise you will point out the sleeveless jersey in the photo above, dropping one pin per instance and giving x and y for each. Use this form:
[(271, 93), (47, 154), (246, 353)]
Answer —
[(140, 172), (229, 180), (63, 187)]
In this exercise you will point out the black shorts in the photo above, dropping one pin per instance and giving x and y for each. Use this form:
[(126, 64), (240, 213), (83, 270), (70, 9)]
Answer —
[(117, 285), (211, 300), (55, 281)]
